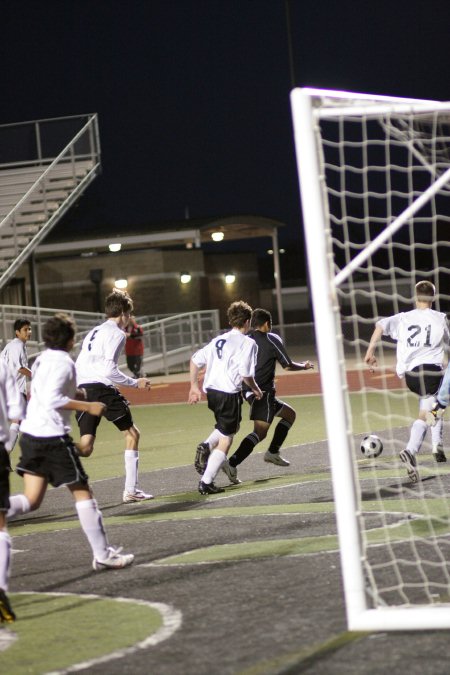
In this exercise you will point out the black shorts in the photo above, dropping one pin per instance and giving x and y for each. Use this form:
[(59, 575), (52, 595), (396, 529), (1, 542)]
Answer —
[(264, 409), (5, 468), (117, 409), (227, 410), (424, 380), (55, 459)]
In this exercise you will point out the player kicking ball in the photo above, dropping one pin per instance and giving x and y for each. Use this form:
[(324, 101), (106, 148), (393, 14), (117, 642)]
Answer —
[(49, 455)]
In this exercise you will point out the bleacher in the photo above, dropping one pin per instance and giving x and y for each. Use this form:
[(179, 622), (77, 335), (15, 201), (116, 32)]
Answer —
[(38, 188)]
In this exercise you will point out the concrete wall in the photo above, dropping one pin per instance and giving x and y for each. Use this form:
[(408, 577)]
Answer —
[(153, 280)]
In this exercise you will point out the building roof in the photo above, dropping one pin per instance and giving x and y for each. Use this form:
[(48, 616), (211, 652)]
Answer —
[(189, 232)]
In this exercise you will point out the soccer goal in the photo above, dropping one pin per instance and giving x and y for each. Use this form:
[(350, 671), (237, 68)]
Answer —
[(374, 175)]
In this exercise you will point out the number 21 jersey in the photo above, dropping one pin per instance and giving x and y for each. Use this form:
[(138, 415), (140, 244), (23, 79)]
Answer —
[(421, 335)]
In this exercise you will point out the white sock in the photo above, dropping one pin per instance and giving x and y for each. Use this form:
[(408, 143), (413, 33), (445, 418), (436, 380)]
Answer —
[(131, 470), (18, 505), (91, 521), (5, 559), (436, 432), (215, 461), (418, 431), (13, 434), (213, 439)]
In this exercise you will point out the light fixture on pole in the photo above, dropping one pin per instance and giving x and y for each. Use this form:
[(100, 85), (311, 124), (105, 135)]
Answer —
[(230, 279), (185, 277)]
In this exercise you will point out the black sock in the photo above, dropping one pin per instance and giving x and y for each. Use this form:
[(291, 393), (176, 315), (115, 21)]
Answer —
[(280, 433), (245, 449)]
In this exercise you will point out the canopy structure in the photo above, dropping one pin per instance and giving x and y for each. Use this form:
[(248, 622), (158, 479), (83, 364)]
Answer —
[(190, 233)]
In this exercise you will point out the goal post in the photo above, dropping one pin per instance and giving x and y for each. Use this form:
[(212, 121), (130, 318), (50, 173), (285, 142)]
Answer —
[(374, 175)]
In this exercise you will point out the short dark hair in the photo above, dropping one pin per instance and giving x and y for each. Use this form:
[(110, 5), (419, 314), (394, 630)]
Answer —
[(238, 313), (117, 303), (20, 323), (260, 317), (58, 331), (425, 291)]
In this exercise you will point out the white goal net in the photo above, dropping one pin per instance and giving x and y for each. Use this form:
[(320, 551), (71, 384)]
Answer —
[(375, 189)]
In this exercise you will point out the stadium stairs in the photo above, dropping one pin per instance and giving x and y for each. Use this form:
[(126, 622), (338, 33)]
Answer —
[(36, 193)]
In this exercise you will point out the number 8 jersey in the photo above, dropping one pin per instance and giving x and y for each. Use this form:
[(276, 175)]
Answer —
[(422, 336), (228, 358)]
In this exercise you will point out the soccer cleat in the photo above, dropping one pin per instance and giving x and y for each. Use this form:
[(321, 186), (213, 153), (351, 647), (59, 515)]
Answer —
[(6, 613), (231, 472), (438, 452), (411, 465), (115, 560), (209, 488), (275, 458), (201, 457), (136, 496)]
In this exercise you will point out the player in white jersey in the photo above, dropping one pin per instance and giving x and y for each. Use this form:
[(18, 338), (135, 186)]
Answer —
[(99, 375), (12, 406), (229, 360), (422, 336), (49, 455), (16, 357)]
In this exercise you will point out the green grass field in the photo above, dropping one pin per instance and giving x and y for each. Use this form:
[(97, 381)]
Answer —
[(276, 520), (170, 433)]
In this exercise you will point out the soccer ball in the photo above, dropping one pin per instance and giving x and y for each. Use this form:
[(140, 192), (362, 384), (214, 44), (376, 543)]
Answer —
[(371, 446)]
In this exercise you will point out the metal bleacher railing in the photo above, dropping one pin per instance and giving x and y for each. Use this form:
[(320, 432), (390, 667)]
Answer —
[(45, 165), (168, 342)]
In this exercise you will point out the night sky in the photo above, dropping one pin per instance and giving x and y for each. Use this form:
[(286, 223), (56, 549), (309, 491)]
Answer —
[(193, 95)]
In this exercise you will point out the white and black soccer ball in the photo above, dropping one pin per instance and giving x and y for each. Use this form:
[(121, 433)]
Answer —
[(371, 446)]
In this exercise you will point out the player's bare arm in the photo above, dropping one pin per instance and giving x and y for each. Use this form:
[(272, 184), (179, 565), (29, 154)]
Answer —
[(370, 358), (303, 365), (25, 371), (143, 383), (250, 382), (92, 407), (195, 394)]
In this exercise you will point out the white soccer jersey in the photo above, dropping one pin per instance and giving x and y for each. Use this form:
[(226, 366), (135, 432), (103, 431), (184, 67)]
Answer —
[(228, 358), (421, 335), (12, 403), (99, 355), (53, 383), (15, 355)]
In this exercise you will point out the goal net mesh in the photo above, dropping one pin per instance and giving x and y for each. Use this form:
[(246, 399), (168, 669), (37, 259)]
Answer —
[(373, 168)]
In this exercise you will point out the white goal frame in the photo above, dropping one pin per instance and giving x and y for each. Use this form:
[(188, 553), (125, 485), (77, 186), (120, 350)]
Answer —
[(323, 284)]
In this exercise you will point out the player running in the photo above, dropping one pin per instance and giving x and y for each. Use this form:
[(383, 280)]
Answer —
[(229, 360), (422, 336), (271, 351), (98, 374), (49, 454)]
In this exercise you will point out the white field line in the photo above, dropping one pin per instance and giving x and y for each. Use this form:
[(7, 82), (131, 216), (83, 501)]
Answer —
[(172, 620)]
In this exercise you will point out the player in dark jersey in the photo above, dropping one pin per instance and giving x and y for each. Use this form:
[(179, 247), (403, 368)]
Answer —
[(270, 351)]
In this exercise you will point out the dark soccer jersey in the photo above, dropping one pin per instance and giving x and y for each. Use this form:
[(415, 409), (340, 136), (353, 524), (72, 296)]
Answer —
[(270, 350)]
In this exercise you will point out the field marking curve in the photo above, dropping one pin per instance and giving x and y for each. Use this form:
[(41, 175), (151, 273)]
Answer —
[(172, 620)]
